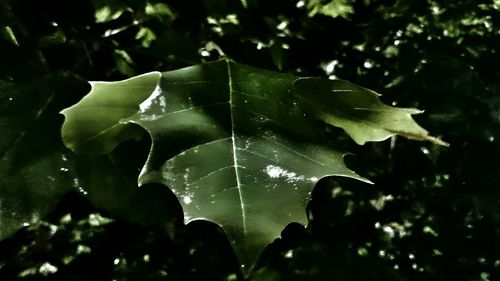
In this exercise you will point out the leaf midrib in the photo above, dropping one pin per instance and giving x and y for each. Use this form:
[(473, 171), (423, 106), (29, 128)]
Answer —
[(233, 142)]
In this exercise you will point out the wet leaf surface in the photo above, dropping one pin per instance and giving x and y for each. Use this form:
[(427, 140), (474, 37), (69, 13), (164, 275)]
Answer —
[(239, 146)]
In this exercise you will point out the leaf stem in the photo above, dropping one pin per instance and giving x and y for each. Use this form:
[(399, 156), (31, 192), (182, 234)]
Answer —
[(210, 46)]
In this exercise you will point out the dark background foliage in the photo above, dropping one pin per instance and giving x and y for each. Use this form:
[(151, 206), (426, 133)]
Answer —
[(433, 214)]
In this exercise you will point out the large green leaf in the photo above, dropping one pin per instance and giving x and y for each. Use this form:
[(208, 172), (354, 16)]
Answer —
[(239, 146)]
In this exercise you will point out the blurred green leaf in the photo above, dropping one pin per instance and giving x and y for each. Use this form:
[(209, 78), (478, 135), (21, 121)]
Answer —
[(334, 8), (35, 167), (159, 10)]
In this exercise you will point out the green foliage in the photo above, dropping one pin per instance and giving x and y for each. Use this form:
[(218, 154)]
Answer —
[(34, 166), (239, 146), (334, 8), (431, 215)]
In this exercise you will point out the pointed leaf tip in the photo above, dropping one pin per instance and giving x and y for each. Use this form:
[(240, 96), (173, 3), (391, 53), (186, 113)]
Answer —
[(358, 111), (426, 137)]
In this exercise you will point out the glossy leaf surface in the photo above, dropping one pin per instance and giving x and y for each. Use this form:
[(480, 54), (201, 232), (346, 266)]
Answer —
[(240, 146), (95, 128)]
